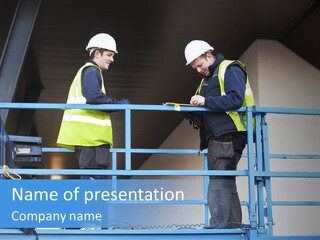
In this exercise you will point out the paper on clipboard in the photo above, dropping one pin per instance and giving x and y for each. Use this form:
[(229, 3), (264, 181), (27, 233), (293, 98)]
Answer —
[(178, 105)]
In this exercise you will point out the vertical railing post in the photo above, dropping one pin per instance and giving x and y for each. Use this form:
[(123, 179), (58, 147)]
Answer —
[(251, 169), (127, 139), (114, 165), (259, 167), (205, 190), (266, 164)]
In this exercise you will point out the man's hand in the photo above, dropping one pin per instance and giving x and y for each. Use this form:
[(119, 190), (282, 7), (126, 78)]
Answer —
[(197, 100), (123, 101)]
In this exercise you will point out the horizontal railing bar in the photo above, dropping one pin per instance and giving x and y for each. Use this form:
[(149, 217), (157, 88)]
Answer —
[(288, 174), (183, 151), (135, 150), (131, 232), (298, 111), (294, 156), (295, 203), (127, 172), (302, 237), (61, 106), (164, 173)]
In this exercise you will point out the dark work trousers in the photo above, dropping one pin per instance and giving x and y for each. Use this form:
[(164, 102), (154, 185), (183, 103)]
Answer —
[(224, 153), (94, 158)]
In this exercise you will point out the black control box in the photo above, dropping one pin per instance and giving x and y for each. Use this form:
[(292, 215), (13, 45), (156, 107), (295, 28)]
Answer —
[(24, 151)]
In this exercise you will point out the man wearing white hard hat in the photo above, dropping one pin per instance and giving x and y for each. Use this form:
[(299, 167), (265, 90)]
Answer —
[(89, 132), (225, 88)]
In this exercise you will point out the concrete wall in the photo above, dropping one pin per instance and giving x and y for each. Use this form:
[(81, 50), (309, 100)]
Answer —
[(279, 78)]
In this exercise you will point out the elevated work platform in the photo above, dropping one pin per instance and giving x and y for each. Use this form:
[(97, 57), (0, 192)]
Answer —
[(20, 203), (129, 234)]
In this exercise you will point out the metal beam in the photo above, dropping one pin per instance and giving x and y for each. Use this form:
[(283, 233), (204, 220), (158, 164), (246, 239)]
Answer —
[(33, 90), (15, 49)]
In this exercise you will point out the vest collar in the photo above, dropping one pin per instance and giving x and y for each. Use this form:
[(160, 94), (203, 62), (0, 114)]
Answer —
[(93, 62)]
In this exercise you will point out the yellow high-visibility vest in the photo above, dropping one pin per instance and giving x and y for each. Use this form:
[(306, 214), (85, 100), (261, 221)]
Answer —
[(239, 120), (84, 127)]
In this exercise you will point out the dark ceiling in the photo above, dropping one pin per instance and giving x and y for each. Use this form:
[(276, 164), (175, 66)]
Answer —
[(150, 67)]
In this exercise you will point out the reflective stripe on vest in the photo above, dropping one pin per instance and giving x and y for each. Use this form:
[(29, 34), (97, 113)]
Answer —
[(86, 119), (239, 121)]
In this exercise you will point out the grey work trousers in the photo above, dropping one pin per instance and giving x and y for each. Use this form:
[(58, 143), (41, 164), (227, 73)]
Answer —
[(224, 153), (93, 158)]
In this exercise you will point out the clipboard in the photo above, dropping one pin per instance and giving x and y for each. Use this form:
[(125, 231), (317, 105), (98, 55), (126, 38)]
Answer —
[(179, 104)]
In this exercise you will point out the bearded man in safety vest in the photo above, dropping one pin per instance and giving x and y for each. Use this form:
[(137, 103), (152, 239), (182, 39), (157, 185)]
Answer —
[(89, 132), (225, 88)]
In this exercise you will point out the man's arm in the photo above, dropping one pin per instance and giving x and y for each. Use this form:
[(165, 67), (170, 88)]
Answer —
[(91, 87)]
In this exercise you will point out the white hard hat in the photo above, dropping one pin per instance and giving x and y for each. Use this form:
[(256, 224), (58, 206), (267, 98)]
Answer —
[(102, 40), (195, 49)]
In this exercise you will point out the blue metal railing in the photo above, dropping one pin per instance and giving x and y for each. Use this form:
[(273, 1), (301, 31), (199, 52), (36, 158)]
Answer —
[(3, 141), (258, 173)]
